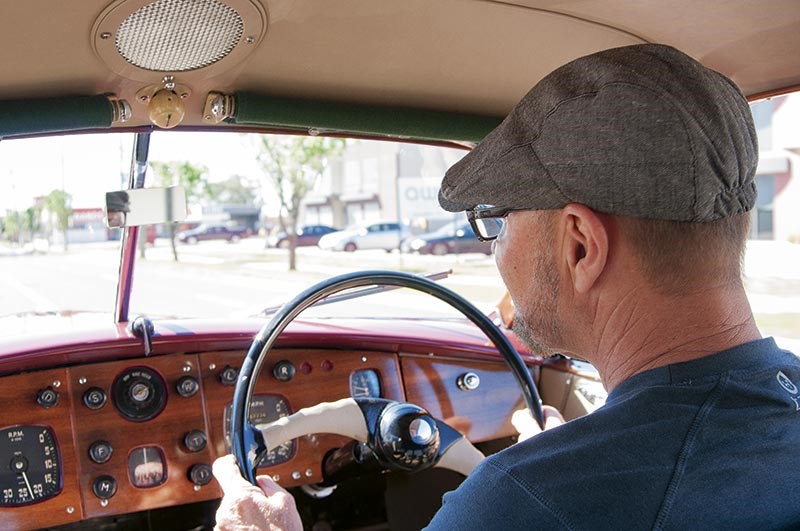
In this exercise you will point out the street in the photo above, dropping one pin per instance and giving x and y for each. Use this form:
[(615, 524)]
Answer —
[(220, 279)]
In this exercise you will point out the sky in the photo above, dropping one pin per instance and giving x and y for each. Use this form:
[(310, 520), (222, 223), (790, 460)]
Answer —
[(88, 166)]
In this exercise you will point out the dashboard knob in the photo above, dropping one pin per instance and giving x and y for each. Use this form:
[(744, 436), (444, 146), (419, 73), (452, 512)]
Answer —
[(94, 398), (228, 375), (200, 474), (104, 487), (195, 440), (469, 381), (47, 397), (284, 370), (188, 386), (100, 452)]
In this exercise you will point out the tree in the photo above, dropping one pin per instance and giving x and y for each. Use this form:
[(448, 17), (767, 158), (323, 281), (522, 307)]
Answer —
[(31, 220), (293, 165), (12, 226), (193, 178), (236, 190), (59, 205)]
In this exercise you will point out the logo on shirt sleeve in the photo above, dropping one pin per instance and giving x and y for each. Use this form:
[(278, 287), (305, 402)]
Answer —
[(790, 388)]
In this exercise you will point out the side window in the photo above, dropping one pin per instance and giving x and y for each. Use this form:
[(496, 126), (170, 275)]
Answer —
[(374, 228)]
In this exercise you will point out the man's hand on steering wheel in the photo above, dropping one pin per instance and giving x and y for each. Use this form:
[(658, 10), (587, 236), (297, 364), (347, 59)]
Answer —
[(249, 507)]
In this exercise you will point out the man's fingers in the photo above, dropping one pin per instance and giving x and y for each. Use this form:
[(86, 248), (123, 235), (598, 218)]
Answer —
[(228, 476), (552, 417), (269, 486)]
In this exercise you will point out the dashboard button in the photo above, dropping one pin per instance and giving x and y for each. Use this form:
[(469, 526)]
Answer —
[(195, 440), (94, 398), (46, 397), (187, 386), (283, 370), (100, 452), (200, 474), (104, 487), (228, 375)]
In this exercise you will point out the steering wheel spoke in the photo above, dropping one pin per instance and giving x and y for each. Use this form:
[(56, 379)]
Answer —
[(343, 417), (401, 436)]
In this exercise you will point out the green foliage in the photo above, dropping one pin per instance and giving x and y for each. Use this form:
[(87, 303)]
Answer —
[(193, 178), (294, 164), (236, 190), (59, 204), (32, 219), (11, 225)]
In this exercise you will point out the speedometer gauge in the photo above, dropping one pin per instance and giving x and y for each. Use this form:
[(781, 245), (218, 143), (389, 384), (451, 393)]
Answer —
[(30, 470), (365, 383)]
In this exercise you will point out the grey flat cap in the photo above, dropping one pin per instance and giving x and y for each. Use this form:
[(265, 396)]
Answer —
[(643, 131)]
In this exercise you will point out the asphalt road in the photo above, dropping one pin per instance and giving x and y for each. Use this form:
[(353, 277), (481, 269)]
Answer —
[(218, 279)]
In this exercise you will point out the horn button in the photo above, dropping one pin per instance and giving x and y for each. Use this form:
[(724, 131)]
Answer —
[(407, 437)]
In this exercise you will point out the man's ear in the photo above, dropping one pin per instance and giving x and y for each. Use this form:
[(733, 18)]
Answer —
[(584, 245)]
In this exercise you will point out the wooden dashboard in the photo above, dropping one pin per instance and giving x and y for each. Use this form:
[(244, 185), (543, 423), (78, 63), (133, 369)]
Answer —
[(115, 460)]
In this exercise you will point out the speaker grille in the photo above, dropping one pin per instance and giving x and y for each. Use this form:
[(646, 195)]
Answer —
[(179, 35)]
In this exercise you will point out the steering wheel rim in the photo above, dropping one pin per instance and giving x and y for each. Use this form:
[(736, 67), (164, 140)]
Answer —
[(247, 444)]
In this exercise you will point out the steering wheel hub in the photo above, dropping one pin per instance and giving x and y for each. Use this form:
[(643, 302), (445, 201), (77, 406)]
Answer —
[(407, 437)]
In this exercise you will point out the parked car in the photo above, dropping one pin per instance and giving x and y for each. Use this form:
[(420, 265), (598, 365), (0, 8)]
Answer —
[(113, 422), (204, 232), (384, 235), (307, 235), (451, 238)]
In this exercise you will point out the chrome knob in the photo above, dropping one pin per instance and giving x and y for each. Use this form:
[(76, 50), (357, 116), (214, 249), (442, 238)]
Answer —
[(469, 381)]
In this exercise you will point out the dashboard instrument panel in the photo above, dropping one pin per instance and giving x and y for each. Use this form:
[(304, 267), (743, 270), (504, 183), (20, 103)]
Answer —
[(114, 437)]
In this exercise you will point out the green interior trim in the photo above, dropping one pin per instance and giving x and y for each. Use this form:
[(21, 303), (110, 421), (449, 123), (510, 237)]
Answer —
[(23, 117), (254, 109)]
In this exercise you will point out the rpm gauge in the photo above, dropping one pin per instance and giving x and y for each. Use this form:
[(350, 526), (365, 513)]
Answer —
[(263, 409), (30, 470)]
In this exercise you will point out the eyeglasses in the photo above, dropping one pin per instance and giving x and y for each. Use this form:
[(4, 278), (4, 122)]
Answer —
[(487, 221)]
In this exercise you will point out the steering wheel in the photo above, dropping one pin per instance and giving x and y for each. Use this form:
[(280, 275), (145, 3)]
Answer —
[(401, 436)]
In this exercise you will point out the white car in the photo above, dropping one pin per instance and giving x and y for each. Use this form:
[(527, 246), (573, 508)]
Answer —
[(379, 235)]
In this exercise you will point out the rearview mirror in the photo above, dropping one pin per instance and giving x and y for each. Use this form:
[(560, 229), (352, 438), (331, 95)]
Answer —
[(145, 206)]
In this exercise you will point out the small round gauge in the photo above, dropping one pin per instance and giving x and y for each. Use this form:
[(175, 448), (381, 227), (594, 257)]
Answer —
[(30, 470), (146, 467), (365, 383), (139, 394), (264, 409)]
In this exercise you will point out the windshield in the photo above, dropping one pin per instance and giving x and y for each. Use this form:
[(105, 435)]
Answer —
[(246, 193)]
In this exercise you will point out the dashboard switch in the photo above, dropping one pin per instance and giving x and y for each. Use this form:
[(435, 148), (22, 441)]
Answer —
[(283, 370), (188, 386), (94, 398), (228, 375), (104, 487), (100, 452), (469, 381), (195, 440), (46, 397), (200, 474)]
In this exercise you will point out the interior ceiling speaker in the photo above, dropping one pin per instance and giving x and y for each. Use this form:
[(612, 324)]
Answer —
[(140, 38), (179, 35)]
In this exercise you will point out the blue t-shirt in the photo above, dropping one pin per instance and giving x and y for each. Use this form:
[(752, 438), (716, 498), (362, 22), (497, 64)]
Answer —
[(712, 443)]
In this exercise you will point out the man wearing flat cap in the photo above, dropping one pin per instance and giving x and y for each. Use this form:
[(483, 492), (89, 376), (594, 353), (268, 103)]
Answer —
[(617, 194)]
